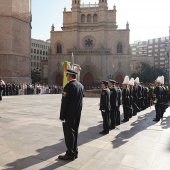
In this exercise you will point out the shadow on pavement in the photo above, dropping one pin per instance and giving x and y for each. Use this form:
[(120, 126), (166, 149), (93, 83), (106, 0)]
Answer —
[(44, 153), (137, 126)]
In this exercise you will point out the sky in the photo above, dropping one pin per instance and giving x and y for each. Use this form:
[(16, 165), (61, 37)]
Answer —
[(147, 19)]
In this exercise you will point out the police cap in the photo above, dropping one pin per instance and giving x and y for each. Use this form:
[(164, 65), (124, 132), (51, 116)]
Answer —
[(69, 71), (105, 82), (112, 81)]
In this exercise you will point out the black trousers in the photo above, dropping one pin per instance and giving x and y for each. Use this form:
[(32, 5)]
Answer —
[(126, 111), (70, 128), (113, 117), (105, 116), (118, 115), (158, 111)]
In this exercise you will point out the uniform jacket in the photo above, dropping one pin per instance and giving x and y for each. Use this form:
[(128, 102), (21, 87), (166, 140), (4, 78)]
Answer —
[(72, 100), (113, 97), (105, 100), (158, 94), (126, 96), (119, 96)]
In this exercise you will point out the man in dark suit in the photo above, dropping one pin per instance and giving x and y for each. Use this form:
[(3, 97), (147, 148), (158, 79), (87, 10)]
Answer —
[(1, 89), (157, 96), (105, 107), (126, 99), (113, 104), (119, 98), (70, 113)]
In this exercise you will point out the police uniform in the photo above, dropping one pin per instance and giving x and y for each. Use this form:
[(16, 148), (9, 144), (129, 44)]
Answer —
[(70, 113), (119, 98), (157, 95), (105, 107), (1, 91), (113, 104)]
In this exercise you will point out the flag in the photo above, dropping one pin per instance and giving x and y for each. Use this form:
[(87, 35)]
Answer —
[(66, 65)]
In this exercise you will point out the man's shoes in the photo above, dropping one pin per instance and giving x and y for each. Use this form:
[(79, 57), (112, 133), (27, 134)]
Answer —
[(155, 120), (124, 120), (66, 157), (103, 133), (111, 128)]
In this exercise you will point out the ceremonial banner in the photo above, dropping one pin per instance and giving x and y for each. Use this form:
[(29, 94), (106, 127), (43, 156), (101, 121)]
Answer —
[(66, 65)]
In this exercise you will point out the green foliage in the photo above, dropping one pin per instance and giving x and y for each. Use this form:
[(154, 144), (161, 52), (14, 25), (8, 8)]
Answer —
[(148, 74), (35, 76)]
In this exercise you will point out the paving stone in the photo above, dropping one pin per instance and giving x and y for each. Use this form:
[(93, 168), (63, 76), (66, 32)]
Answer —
[(31, 137)]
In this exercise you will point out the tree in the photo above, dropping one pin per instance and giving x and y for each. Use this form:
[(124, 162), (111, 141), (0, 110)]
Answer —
[(35, 76), (148, 74)]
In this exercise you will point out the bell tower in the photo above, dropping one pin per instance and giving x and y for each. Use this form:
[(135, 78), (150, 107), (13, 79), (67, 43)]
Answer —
[(75, 11)]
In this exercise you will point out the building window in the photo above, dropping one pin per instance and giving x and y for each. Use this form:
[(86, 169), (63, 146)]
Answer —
[(31, 50), (95, 18), (37, 51), (88, 18), (46, 52), (34, 57), (37, 57), (59, 48), (150, 41), (40, 58), (83, 18), (40, 51), (34, 51), (43, 52), (119, 48)]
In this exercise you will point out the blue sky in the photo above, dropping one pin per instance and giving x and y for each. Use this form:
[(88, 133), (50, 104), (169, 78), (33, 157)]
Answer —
[(147, 18)]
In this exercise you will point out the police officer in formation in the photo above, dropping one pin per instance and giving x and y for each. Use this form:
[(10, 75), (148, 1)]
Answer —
[(134, 97), (160, 98), (105, 107)]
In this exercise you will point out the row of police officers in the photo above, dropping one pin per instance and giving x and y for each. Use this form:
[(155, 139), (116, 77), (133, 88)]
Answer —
[(134, 97)]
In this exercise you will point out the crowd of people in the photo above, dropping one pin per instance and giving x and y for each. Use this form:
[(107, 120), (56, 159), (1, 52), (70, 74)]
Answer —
[(12, 89), (134, 97)]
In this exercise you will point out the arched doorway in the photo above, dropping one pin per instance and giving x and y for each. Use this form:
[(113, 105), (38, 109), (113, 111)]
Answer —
[(59, 80), (119, 79), (88, 80)]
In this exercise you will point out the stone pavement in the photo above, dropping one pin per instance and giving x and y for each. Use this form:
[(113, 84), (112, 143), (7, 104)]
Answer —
[(31, 137)]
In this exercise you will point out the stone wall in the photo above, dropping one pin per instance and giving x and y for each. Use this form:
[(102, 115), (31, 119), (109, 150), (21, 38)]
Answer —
[(15, 33)]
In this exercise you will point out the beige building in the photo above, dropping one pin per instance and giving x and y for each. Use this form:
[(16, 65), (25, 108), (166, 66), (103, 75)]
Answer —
[(39, 52), (100, 48), (15, 40)]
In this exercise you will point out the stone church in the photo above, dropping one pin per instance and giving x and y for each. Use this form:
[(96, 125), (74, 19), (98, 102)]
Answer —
[(91, 32), (15, 40)]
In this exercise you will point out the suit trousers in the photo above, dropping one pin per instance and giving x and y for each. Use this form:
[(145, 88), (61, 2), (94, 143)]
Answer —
[(105, 116), (70, 128)]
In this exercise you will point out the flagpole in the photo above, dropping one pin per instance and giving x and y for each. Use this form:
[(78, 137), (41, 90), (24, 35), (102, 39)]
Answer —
[(72, 60)]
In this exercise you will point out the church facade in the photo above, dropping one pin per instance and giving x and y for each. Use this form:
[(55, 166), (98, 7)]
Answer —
[(99, 47)]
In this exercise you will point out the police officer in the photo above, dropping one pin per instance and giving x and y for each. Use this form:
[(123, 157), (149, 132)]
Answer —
[(1, 89), (157, 95), (126, 99), (119, 98), (113, 104), (105, 106), (70, 113)]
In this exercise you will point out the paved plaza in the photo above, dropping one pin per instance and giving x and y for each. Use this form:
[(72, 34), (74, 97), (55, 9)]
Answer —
[(31, 137)]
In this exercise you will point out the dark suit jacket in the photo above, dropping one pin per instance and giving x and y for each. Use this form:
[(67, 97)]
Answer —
[(72, 100), (113, 97), (105, 100)]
